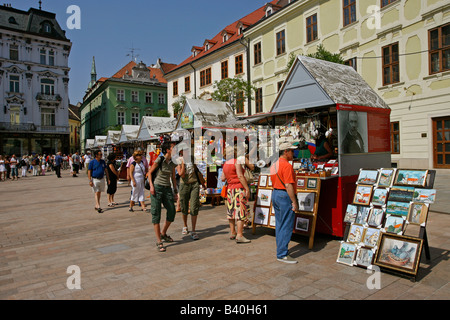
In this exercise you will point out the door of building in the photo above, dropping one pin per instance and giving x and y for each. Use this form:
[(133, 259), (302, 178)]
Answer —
[(441, 144)]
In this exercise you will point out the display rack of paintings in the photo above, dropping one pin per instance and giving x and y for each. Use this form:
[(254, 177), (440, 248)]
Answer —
[(386, 221), (308, 192)]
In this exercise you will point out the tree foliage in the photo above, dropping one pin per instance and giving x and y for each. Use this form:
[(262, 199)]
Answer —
[(231, 90), (178, 105)]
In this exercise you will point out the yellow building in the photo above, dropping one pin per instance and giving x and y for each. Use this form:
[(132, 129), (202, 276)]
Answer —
[(400, 47), (74, 124)]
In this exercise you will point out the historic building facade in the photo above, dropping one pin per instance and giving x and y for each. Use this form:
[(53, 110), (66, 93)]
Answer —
[(34, 79)]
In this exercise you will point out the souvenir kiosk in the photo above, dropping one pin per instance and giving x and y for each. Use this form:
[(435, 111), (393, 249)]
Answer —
[(336, 97), (207, 123)]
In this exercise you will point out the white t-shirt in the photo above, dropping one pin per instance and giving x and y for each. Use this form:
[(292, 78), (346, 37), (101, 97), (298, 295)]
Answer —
[(12, 163)]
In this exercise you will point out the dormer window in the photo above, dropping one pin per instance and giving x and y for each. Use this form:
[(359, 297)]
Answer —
[(12, 20), (207, 47), (46, 27), (268, 12), (225, 37)]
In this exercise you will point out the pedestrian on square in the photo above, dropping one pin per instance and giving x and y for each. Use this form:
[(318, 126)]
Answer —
[(24, 166), (113, 177), (13, 165), (2, 168), (35, 163), (75, 164), (189, 194), (96, 174), (137, 175), (238, 193), (58, 163), (43, 164), (87, 159), (161, 193), (284, 199)]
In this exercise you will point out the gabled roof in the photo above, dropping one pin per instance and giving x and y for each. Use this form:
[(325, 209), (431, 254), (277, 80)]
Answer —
[(151, 127), (318, 83), (128, 69), (128, 133), (232, 30), (113, 137)]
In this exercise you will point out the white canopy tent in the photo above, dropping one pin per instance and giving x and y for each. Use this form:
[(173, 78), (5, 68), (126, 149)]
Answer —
[(151, 127), (129, 133), (113, 137)]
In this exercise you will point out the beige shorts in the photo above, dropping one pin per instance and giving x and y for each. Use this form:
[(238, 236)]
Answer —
[(99, 185)]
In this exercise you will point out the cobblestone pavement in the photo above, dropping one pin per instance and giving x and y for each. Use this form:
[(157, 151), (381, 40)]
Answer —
[(48, 224)]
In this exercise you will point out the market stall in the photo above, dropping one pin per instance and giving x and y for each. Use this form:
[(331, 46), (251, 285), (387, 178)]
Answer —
[(333, 98), (128, 142)]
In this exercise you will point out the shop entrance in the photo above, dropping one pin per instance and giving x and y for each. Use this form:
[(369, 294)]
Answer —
[(441, 142)]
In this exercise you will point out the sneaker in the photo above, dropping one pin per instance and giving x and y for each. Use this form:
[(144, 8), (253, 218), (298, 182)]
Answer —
[(287, 259), (185, 230)]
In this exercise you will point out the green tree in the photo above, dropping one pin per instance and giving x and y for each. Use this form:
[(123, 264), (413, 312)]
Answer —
[(178, 105), (162, 113), (233, 91), (117, 127), (324, 54)]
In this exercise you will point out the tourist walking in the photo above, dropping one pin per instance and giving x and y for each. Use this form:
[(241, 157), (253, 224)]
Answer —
[(13, 165), (24, 166), (2, 168), (113, 175), (96, 174), (189, 194), (35, 163), (58, 163), (137, 175), (284, 199), (162, 193), (43, 164), (75, 164), (87, 159), (238, 193)]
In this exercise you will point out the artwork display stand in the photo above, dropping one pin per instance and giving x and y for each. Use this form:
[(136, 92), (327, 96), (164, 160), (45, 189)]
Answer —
[(308, 193), (398, 199)]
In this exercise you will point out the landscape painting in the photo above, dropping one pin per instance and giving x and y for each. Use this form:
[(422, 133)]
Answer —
[(401, 195), (411, 177), (362, 195), (346, 253), (379, 196), (364, 257), (418, 213), (424, 195), (386, 177), (397, 208), (355, 234), (367, 177), (375, 217), (350, 214), (394, 224)]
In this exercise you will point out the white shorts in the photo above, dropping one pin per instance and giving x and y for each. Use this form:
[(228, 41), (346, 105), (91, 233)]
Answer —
[(99, 185)]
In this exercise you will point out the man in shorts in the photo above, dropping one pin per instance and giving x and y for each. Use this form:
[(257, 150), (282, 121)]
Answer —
[(96, 174)]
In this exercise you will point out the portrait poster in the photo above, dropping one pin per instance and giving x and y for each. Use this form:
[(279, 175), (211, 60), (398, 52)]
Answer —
[(353, 134)]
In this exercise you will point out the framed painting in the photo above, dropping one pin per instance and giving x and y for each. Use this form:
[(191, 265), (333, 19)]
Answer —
[(394, 224), (386, 177), (370, 237), (301, 183), (364, 257), (362, 215), (346, 253), (350, 213), (424, 195), (264, 197), (400, 195), (312, 183), (362, 195), (399, 253), (376, 217), (367, 177), (306, 201), (398, 208), (379, 196), (355, 234), (407, 177), (418, 213), (262, 181), (262, 215), (302, 224)]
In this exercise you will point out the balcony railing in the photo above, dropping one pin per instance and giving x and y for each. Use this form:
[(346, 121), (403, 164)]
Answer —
[(53, 129), (48, 98), (27, 127)]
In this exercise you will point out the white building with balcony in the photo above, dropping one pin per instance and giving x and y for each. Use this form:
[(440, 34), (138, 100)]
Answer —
[(34, 80)]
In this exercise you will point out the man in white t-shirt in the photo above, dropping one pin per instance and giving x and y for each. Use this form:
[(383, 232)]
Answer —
[(87, 159)]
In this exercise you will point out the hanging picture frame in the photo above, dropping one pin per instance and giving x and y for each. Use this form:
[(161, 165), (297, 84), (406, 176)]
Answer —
[(408, 177), (376, 217), (262, 215), (386, 177), (362, 195), (306, 201), (364, 257), (264, 197), (424, 195), (379, 197), (418, 213), (355, 234), (367, 177), (394, 224), (350, 213), (346, 254)]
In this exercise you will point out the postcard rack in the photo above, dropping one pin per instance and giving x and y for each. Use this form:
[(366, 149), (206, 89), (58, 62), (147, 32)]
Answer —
[(386, 222), (308, 193)]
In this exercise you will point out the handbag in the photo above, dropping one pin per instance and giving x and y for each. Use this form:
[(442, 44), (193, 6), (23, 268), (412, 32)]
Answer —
[(224, 191), (248, 175)]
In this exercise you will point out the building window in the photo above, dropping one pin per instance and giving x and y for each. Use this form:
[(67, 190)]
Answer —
[(14, 114), (134, 96), (187, 84), (439, 49), (175, 88), (148, 114), (14, 83), (259, 100), (311, 28), (14, 52), (257, 53), (135, 118), (47, 117), (281, 43), (43, 56), (391, 68), (47, 86), (205, 77), (386, 2), (161, 98), (51, 58), (239, 63), (120, 117), (120, 95), (395, 137), (240, 102), (349, 12), (279, 85), (352, 63), (224, 69), (148, 97)]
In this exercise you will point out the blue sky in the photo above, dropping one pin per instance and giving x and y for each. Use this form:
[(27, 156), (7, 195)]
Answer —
[(159, 29)]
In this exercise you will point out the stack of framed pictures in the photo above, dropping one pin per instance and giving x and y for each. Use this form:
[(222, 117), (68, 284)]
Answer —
[(388, 205), (308, 191)]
